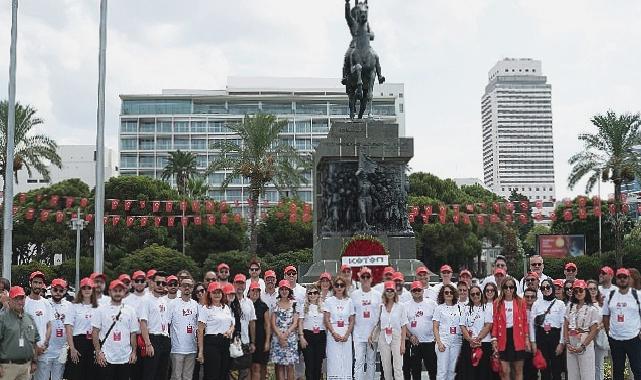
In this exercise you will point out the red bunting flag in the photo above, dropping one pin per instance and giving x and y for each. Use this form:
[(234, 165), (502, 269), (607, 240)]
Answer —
[(128, 205), (293, 208), (509, 206), (74, 215), (523, 219), (613, 209), (583, 213), (455, 218), (469, 208), (508, 218), (171, 221), (44, 215), (157, 221), (567, 215), (524, 205), (553, 216), (538, 217), (480, 219), (307, 208), (597, 211), (411, 218), (209, 206), (130, 221), (89, 218), (224, 219), (583, 201), (195, 206), (428, 210), (223, 206), (155, 206), (624, 198), (142, 204), (198, 220), (184, 221), (60, 216), (496, 207), (114, 204), (466, 219), (84, 202), (183, 205), (22, 197), (442, 211), (211, 219), (426, 218), (456, 209), (567, 202), (414, 210), (53, 201), (237, 218), (494, 218), (143, 221), (441, 219), (30, 213), (169, 206), (115, 220)]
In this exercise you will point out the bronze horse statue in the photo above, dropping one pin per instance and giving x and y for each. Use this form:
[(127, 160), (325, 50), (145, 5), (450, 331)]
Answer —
[(361, 61)]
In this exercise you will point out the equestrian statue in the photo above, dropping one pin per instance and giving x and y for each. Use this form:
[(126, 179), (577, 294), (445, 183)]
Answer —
[(361, 65)]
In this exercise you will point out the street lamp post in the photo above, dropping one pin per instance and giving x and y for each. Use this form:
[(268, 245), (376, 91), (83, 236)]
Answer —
[(78, 224)]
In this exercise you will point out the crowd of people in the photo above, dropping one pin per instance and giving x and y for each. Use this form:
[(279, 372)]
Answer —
[(155, 325)]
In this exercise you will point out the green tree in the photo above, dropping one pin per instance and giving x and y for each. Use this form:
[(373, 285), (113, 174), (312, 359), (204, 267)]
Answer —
[(277, 234), (512, 249), (517, 198), (261, 158), (197, 188), (449, 243), (182, 166), (608, 155), (529, 244), (157, 257)]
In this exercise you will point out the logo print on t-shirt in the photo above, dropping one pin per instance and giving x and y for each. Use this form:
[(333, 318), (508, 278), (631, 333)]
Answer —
[(366, 302), (187, 312), (419, 313), (162, 308), (39, 313)]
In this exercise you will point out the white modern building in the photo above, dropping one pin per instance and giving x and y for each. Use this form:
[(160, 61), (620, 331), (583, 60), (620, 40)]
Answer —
[(152, 125), (78, 161), (516, 118)]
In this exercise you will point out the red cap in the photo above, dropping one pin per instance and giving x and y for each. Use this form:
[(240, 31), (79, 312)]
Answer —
[(270, 273), (608, 270), (390, 285), (16, 291), (579, 284), (86, 282), (416, 285), (229, 289), (36, 274), (172, 278), (326, 276), (558, 283), (623, 271), (499, 271), (59, 282), (222, 266), (254, 285), (570, 265), (213, 286), (533, 274), (289, 268), (284, 284), (345, 268), (116, 283), (95, 275), (151, 273), (388, 270), (421, 269), (124, 277), (364, 270), (398, 276), (138, 274), (446, 268), (240, 278), (465, 272)]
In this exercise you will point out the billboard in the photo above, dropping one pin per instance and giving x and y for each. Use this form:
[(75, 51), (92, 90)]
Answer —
[(561, 245)]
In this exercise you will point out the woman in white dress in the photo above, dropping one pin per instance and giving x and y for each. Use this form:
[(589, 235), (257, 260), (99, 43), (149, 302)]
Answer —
[(339, 323), (392, 332), (447, 332)]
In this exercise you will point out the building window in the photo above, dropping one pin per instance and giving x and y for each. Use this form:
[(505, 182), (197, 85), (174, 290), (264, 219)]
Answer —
[(199, 126), (162, 161), (129, 126), (199, 144), (218, 127), (201, 161), (320, 126), (311, 108), (146, 144), (31, 180), (147, 127), (243, 108), (128, 144), (128, 162), (215, 178), (147, 161), (400, 108), (303, 127), (277, 108), (163, 144), (181, 144), (181, 126), (164, 126)]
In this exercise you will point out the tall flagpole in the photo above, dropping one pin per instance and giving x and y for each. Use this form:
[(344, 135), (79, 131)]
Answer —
[(99, 238), (7, 238)]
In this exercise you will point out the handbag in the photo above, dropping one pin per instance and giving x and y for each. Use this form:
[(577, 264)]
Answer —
[(142, 347), (538, 361), (540, 319), (244, 361), (477, 354), (496, 364), (601, 340), (235, 348)]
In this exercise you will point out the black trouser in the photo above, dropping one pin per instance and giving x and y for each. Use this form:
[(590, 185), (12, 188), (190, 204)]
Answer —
[(156, 367), (422, 354), (529, 372), (314, 354), (622, 348), (216, 354), (547, 343), (465, 370), (116, 372), (86, 368)]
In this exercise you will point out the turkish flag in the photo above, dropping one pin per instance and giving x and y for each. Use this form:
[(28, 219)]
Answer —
[(53, 201), (60, 216), (426, 219), (224, 219), (209, 206), (307, 208), (414, 210), (624, 198), (553, 216), (509, 206), (307, 218), (494, 218), (211, 219), (428, 210), (143, 221), (456, 208), (157, 220), (597, 211), (293, 207), (89, 218), (155, 206), (539, 203), (441, 219), (567, 215), (44, 215), (128, 205), (583, 213), (480, 219), (538, 217), (22, 197), (522, 218), (30, 213), (114, 204), (197, 220), (496, 207), (582, 201), (442, 211), (525, 205), (613, 209), (130, 221), (455, 218), (184, 221), (466, 219), (142, 204), (183, 205), (84, 202), (171, 221), (567, 202), (195, 206), (223, 206), (169, 206), (115, 220), (411, 218)]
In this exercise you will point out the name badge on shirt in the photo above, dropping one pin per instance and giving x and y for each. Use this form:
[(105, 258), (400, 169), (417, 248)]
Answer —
[(413, 324), (453, 330), (316, 330), (621, 318), (117, 336), (388, 331), (190, 330), (58, 333), (340, 323), (366, 314)]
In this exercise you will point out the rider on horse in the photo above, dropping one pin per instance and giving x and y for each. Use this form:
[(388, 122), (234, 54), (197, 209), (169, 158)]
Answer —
[(350, 16)]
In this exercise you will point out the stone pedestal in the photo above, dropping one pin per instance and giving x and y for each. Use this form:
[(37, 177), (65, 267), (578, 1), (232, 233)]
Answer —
[(360, 187)]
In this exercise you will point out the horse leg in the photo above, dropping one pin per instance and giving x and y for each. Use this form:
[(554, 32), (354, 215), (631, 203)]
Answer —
[(352, 106), (370, 93), (359, 81)]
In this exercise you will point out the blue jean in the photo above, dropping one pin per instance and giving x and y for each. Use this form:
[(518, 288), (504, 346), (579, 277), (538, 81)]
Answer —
[(619, 349)]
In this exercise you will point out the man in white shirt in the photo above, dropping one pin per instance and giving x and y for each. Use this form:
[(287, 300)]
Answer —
[(254, 275), (388, 273), (183, 321), (114, 335), (154, 328), (270, 295), (367, 306), (622, 322), (48, 365), (100, 280), (531, 281), (446, 278), (570, 271), (247, 322), (536, 266), (172, 289), (222, 274), (465, 276), (139, 285), (399, 283), (40, 310), (423, 275), (499, 263), (420, 334), (605, 281)]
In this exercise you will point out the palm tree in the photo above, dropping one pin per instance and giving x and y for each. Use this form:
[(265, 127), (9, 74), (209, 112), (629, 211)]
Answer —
[(197, 187), (182, 165), (32, 151), (261, 158), (611, 154)]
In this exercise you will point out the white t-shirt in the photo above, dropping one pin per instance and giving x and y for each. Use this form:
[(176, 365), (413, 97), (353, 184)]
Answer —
[(366, 309), (394, 319), (79, 316), (339, 312), (300, 294), (509, 313), (134, 300), (449, 320), (269, 299), (313, 320), (420, 316), (104, 300), (42, 314), (183, 320), (117, 346), (474, 319), (154, 311), (217, 320), (434, 290), (58, 334), (623, 310), (605, 292), (554, 319), (405, 296), (249, 314)]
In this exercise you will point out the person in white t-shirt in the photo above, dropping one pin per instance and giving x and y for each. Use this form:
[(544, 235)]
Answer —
[(399, 282), (622, 322), (49, 367), (172, 290), (78, 330), (215, 329), (388, 274), (135, 298), (100, 282), (423, 275), (537, 267), (446, 279), (420, 334), (183, 322), (447, 332), (500, 263), (325, 286), (254, 275), (367, 307), (291, 275), (114, 335), (476, 322), (247, 320), (270, 295), (40, 310), (339, 322), (392, 332), (311, 333), (606, 274), (154, 328)]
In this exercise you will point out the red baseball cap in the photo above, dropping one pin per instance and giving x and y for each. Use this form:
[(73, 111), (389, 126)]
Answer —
[(345, 267), (240, 278), (289, 268), (222, 266), (59, 282), (558, 283), (326, 276), (151, 273), (16, 292), (213, 286), (364, 270), (116, 283), (36, 274), (465, 272), (254, 285), (416, 285), (270, 273), (570, 265), (229, 289), (390, 285), (533, 274), (87, 282), (398, 276), (138, 274), (421, 269), (284, 284), (579, 284), (499, 271), (172, 278), (124, 277), (95, 275), (388, 270), (608, 270), (446, 268), (623, 271)]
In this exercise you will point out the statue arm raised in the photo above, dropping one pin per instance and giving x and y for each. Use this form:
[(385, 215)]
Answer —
[(348, 14)]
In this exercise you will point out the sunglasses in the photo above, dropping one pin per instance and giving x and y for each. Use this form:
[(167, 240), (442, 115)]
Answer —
[(547, 287), (570, 270), (416, 290), (161, 283), (446, 272), (501, 265), (126, 282), (593, 289), (367, 277), (390, 290), (173, 284), (254, 269), (530, 297), (447, 293), (579, 290), (475, 294), (201, 290), (223, 271), (536, 264), (139, 281), (58, 290), (292, 273), (86, 288), (603, 273), (188, 286), (312, 293), (339, 285), (490, 290), (530, 279), (509, 287), (622, 277)]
